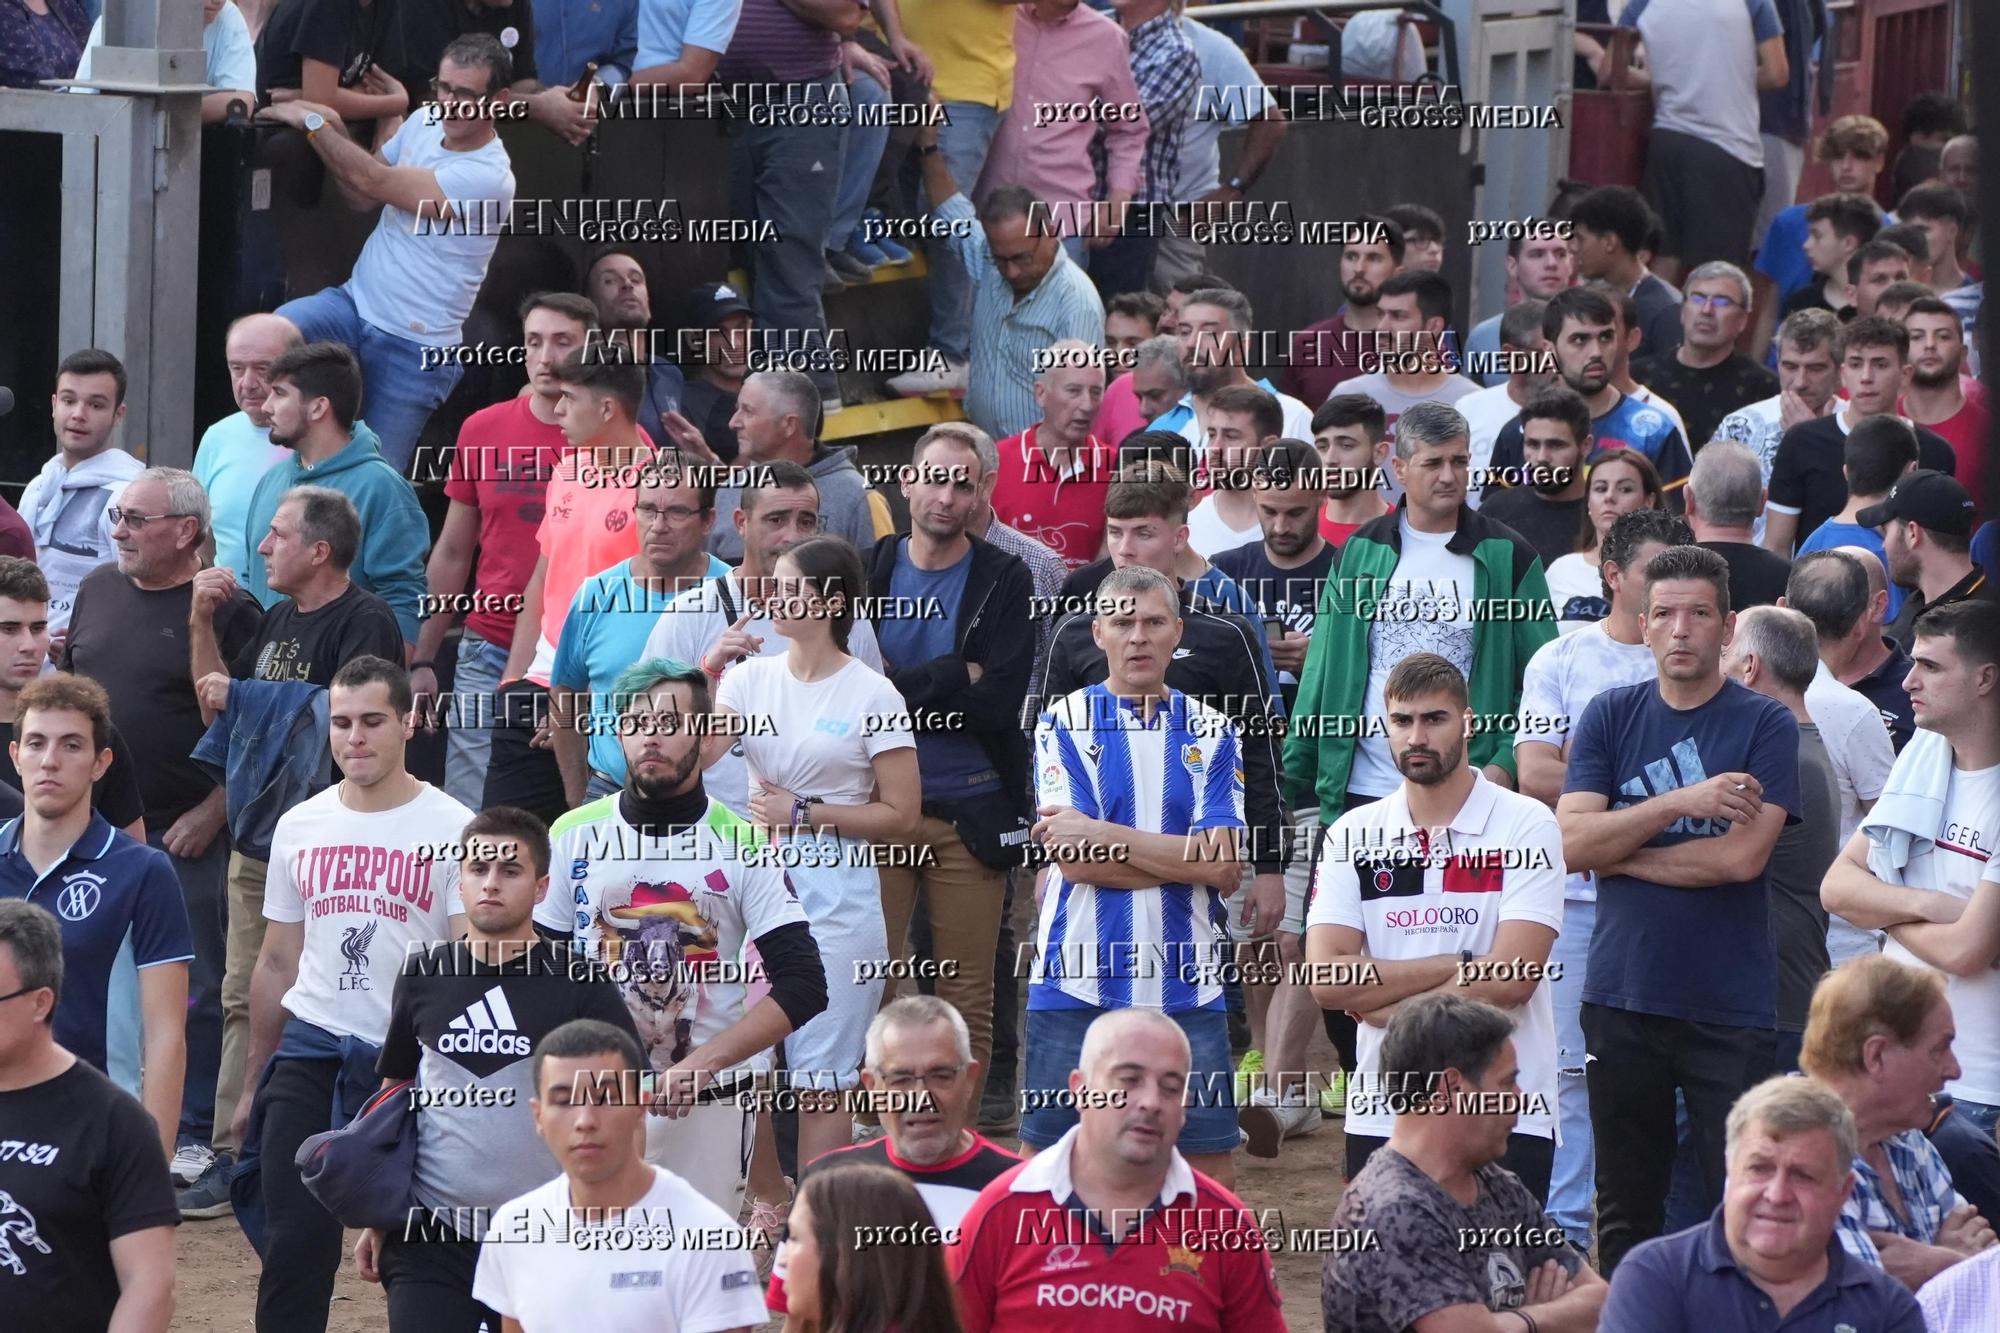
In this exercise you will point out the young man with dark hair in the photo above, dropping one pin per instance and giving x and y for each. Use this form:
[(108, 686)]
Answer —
[(1545, 503), (1876, 455), (1538, 265), (313, 404), (668, 886), (1914, 242), (463, 1021), (500, 471), (1325, 354), (1851, 149), (1351, 437), (1493, 409), (1874, 268), (1129, 319), (1412, 358), (1947, 219), (545, 1265), (1423, 236), (1214, 333), (358, 879), (1836, 226), (64, 504), (1611, 224), (90, 1207), (1807, 486), (1242, 420), (1671, 785), (126, 944), (1926, 522), (615, 286), (1939, 397)]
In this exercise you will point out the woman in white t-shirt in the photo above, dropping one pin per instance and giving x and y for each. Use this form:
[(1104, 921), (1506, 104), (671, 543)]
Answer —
[(833, 768), (1620, 481)]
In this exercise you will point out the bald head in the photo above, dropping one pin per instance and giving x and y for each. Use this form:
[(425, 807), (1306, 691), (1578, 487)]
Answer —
[(1871, 565), (1109, 1034), (251, 345)]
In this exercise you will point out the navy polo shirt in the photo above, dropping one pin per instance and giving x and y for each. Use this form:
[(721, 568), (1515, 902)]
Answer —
[(119, 904), (1689, 1283)]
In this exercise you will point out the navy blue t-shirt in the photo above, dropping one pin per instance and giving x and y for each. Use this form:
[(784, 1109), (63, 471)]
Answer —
[(953, 763), (1702, 954)]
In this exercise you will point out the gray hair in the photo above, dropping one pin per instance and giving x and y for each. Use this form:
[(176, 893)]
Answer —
[(1163, 350), (1102, 1036), (795, 390), (1830, 589), (914, 1012), (1091, 355), (1521, 324), (1223, 298), (1721, 268), (184, 496), (1437, 1031), (1124, 586), (1785, 643), (326, 515), (1809, 330), (34, 938), (1785, 1106), (966, 433), (1728, 484), (1428, 423)]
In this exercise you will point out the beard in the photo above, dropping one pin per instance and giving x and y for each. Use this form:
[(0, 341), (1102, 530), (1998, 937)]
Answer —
[(1447, 762), (1580, 380), (282, 440), (1360, 293), (1937, 379), (657, 788), (1551, 480)]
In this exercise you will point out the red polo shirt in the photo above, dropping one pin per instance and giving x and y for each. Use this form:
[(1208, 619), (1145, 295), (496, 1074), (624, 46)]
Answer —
[(1064, 513)]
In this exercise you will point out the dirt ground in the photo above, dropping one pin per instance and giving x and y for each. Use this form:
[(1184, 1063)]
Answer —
[(217, 1288)]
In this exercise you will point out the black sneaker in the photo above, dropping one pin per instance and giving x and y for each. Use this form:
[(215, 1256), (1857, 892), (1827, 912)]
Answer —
[(999, 1107), (209, 1195)]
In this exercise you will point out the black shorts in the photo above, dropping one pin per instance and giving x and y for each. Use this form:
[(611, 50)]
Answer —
[(1707, 200)]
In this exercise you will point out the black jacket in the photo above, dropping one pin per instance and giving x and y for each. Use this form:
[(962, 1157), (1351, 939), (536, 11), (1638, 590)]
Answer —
[(1218, 663), (993, 629)]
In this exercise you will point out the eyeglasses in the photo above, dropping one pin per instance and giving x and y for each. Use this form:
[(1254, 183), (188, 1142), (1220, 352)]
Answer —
[(904, 1080), (17, 994), (1721, 305), (133, 519), (672, 513), (452, 92)]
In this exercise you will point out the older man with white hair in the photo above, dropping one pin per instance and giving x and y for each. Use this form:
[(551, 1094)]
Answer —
[(1051, 478), (1110, 1223), (1706, 377), (1725, 494), (1768, 1258)]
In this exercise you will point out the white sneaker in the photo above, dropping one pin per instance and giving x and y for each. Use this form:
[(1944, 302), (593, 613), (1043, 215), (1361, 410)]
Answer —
[(924, 383), (190, 1160), (1266, 1123)]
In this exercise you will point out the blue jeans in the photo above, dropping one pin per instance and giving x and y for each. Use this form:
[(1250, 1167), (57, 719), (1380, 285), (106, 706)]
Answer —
[(468, 739), (1979, 1113), (398, 393), (964, 139), (865, 144), (1054, 1042), (788, 176), (1573, 1182)]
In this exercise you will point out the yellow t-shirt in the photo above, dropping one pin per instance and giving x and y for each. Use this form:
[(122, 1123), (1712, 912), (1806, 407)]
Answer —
[(971, 42)]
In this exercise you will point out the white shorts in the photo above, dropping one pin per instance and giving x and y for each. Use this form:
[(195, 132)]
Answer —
[(1298, 875), (709, 1148), (843, 902)]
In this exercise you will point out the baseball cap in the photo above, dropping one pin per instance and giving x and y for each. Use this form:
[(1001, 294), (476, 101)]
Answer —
[(715, 302), (1926, 498)]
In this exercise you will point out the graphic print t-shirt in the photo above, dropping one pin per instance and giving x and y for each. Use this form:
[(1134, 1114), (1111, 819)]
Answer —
[(80, 1166), (367, 890), (1704, 955), (1955, 864), (671, 916), (1424, 607)]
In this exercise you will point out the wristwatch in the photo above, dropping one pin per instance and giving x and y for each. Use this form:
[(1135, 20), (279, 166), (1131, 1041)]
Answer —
[(926, 149), (1238, 184), (315, 122)]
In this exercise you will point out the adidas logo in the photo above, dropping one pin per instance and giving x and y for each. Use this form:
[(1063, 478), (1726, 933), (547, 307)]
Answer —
[(485, 1028)]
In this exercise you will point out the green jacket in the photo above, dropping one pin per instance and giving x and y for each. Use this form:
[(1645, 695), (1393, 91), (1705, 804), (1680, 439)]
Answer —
[(1511, 619)]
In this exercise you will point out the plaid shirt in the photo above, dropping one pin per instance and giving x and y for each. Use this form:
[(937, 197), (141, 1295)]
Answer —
[(1922, 1180), (1168, 73)]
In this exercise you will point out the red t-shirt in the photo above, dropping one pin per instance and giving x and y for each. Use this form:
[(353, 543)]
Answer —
[(1322, 359), (1965, 431), (502, 467), (1118, 415), (1336, 534), (1066, 514), (1028, 1261)]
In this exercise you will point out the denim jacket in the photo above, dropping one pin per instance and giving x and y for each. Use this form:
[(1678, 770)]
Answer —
[(268, 748)]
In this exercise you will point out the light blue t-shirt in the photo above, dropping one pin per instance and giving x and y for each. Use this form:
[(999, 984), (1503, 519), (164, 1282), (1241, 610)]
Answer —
[(232, 458), (605, 631), (1484, 342), (667, 26), (1223, 67)]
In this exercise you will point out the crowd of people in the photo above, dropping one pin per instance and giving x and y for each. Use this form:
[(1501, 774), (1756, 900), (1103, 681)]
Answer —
[(1589, 718)]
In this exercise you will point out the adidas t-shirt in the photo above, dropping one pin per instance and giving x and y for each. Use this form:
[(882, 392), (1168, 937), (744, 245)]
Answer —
[(1417, 893), (948, 1188), (368, 893), (464, 1029), (1561, 679), (672, 916), (653, 1268)]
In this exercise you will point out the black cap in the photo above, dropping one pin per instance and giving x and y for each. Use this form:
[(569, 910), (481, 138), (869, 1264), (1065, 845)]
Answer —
[(715, 302), (1926, 498)]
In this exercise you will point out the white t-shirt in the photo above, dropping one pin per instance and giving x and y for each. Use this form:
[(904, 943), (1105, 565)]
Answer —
[(1486, 412), (418, 279), (1426, 607), (1209, 534), (1955, 864), (823, 736), (658, 1267), (1859, 746), (671, 915), (1561, 679), (690, 626), (1223, 67), (367, 893), (1416, 893), (1571, 576)]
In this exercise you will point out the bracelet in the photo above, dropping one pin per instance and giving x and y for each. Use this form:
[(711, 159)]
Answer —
[(424, 662), (800, 809), (1527, 1319)]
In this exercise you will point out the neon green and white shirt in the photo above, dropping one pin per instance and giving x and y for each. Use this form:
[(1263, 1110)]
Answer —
[(672, 917)]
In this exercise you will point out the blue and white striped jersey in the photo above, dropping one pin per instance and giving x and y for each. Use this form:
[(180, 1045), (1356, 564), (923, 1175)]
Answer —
[(1157, 948)]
